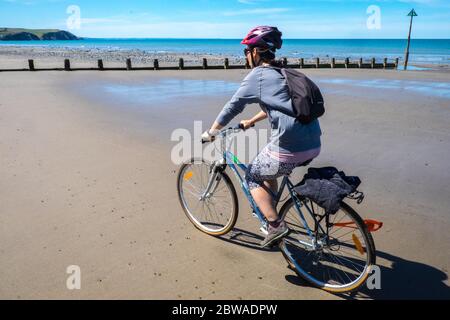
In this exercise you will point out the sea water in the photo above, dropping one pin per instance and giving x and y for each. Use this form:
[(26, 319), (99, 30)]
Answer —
[(428, 51)]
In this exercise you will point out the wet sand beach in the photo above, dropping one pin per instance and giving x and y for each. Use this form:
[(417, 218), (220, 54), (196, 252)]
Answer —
[(86, 179)]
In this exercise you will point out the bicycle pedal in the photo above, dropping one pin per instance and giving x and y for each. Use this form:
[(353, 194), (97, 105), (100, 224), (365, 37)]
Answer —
[(264, 231)]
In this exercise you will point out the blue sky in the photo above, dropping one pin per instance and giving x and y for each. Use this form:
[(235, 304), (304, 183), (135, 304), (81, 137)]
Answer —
[(231, 18)]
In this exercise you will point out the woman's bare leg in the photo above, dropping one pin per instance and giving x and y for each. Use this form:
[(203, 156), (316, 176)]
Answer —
[(265, 201)]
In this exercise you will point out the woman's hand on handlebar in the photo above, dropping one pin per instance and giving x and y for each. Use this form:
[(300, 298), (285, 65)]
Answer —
[(251, 123), (246, 124), (209, 135)]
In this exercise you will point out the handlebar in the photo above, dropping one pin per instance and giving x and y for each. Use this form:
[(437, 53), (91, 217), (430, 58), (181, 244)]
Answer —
[(240, 126), (224, 132)]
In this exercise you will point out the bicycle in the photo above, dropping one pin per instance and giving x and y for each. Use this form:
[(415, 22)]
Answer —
[(328, 251)]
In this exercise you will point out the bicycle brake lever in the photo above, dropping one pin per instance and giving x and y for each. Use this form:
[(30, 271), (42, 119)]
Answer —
[(206, 141), (240, 126)]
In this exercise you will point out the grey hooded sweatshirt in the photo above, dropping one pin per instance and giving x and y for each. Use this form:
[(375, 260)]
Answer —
[(267, 87)]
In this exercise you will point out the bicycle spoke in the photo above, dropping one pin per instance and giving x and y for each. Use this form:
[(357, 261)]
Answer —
[(351, 254), (337, 274), (349, 232), (338, 256), (195, 188), (215, 210), (339, 228), (201, 178), (222, 188), (197, 196), (349, 243), (295, 223), (339, 263), (294, 216), (209, 212)]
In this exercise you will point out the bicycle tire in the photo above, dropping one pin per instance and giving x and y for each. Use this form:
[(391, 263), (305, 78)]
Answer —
[(235, 205), (370, 249)]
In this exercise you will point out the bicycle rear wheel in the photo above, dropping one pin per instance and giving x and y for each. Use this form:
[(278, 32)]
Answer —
[(338, 258), (216, 214)]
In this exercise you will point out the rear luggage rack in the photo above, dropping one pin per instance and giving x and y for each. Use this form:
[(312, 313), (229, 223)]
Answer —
[(357, 195)]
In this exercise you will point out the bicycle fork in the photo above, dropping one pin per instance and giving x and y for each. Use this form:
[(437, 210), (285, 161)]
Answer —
[(213, 182)]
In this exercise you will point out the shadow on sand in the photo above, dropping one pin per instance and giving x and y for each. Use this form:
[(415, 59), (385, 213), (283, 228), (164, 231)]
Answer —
[(400, 279), (246, 239)]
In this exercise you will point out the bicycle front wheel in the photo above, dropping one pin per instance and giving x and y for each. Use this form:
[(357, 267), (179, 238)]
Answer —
[(214, 213), (337, 255)]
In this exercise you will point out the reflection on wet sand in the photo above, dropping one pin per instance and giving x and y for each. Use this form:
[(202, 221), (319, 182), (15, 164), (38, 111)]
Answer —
[(428, 88), (170, 89)]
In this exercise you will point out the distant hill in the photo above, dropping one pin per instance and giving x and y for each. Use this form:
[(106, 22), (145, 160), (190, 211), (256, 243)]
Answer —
[(19, 34)]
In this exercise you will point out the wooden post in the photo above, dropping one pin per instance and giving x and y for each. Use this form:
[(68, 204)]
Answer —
[(285, 62), (129, 67), (347, 62), (155, 64), (411, 14), (396, 63), (372, 64), (302, 63), (205, 63), (317, 62), (67, 64), (333, 62), (100, 64), (384, 63), (360, 63), (226, 64), (31, 64), (181, 64)]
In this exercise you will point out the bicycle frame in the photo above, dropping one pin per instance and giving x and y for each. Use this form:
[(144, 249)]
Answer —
[(233, 163), (230, 160)]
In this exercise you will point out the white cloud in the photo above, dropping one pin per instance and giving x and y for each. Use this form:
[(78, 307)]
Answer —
[(420, 1), (100, 20), (250, 1), (255, 11), (194, 29)]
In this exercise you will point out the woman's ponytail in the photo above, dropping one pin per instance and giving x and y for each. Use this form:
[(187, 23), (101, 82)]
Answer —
[(268, 56)]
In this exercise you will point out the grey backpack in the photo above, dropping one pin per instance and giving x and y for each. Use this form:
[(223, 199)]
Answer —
[(307, 100)]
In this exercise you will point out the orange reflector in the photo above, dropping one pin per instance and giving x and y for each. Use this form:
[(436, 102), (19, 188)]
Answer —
[(358, 244), (188, 175), (372, 225)]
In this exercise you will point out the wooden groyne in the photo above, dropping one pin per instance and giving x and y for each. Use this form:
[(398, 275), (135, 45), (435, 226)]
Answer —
[(300, 64)]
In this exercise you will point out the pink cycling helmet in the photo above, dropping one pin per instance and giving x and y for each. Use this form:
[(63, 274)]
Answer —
[(264, 37)]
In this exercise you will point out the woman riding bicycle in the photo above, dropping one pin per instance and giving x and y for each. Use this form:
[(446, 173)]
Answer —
[(292, 143)]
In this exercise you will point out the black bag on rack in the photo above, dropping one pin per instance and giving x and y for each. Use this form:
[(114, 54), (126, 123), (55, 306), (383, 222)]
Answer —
[(328, 186)]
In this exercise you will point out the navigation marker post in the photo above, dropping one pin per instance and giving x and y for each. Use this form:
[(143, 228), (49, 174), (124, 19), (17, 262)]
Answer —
[(411, 14)]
